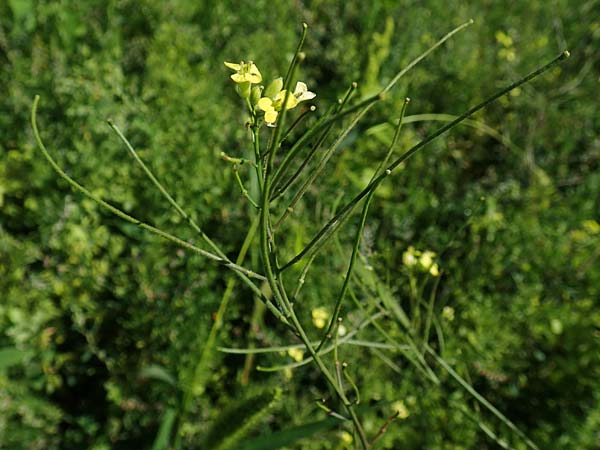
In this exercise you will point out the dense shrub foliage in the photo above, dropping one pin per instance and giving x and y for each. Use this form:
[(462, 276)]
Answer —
[(100, 323)]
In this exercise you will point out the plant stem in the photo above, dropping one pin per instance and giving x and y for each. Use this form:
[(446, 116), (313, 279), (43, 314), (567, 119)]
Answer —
[(377, 181)]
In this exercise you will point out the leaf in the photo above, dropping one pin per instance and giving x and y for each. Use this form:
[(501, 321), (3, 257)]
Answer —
[(155, 372), (163, 437), (10, 356), (238, 419), (287, 437)]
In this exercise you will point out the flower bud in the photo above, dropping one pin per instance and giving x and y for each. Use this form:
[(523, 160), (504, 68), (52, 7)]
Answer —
[(255, 95), (274, 88)]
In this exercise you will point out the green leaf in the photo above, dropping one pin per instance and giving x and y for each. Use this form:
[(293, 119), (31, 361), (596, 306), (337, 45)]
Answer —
[(164, 432), (157, 373), (10, 356), (238, 419), (287, 437), (23, 12)]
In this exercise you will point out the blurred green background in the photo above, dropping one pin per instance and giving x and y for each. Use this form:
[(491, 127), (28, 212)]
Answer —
[(89, 303)]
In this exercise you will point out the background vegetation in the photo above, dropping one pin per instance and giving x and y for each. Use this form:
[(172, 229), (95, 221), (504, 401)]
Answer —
[(98, 319)]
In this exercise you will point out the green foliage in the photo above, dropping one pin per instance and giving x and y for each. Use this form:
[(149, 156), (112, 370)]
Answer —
[(238, 418), (98, 321)]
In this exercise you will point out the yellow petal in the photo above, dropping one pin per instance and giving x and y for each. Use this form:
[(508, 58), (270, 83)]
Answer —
[(238, 78), (253, 78), (296, 354), (233, 66), (255, 75), (270, 116), (266, 104), (291, 100), (274, 87)]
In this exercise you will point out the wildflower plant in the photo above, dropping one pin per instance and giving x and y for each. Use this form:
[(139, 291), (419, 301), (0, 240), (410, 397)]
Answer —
[(283, 171)]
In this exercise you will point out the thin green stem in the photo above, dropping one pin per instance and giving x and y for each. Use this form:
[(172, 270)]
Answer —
[(337, 108), (325, 158), (417, 360), (359, 232), (284, 348), (279, 190), (196, 386), (465, 385), (331, 380), (266, 243), (257, 155), (242, 272), (302, 279), (424, 55), (124, 215), (377, 181), (298, 121), (344, 340), (313, 131), (351, 381), (360, 106), (243, 189)]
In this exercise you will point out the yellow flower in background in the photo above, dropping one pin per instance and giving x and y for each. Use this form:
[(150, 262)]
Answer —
[(426, 259), (423, 260), (319, 317), (591, 226), (346, 437), (448, 313), (296, 354), (409, 257), (401, 409), (245, 72), (504, 38)]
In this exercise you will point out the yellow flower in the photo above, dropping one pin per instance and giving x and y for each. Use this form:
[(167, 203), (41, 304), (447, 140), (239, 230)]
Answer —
[(245, 72), (409, 257), (401, 409), (274, 97), (426, 259), (448, 313), (302, 93), (296, 354), (346, 437), (319, 317)]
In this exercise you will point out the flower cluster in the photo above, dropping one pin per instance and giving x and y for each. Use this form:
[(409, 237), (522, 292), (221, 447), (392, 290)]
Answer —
[(422, 260), (269, 101)]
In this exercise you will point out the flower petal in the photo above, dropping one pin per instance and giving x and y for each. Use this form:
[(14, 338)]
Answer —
[(254, 73), (291, 100), (266, 104), (274, 87), (270, 116), (307, 95), (300, 88), (233, 66)]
